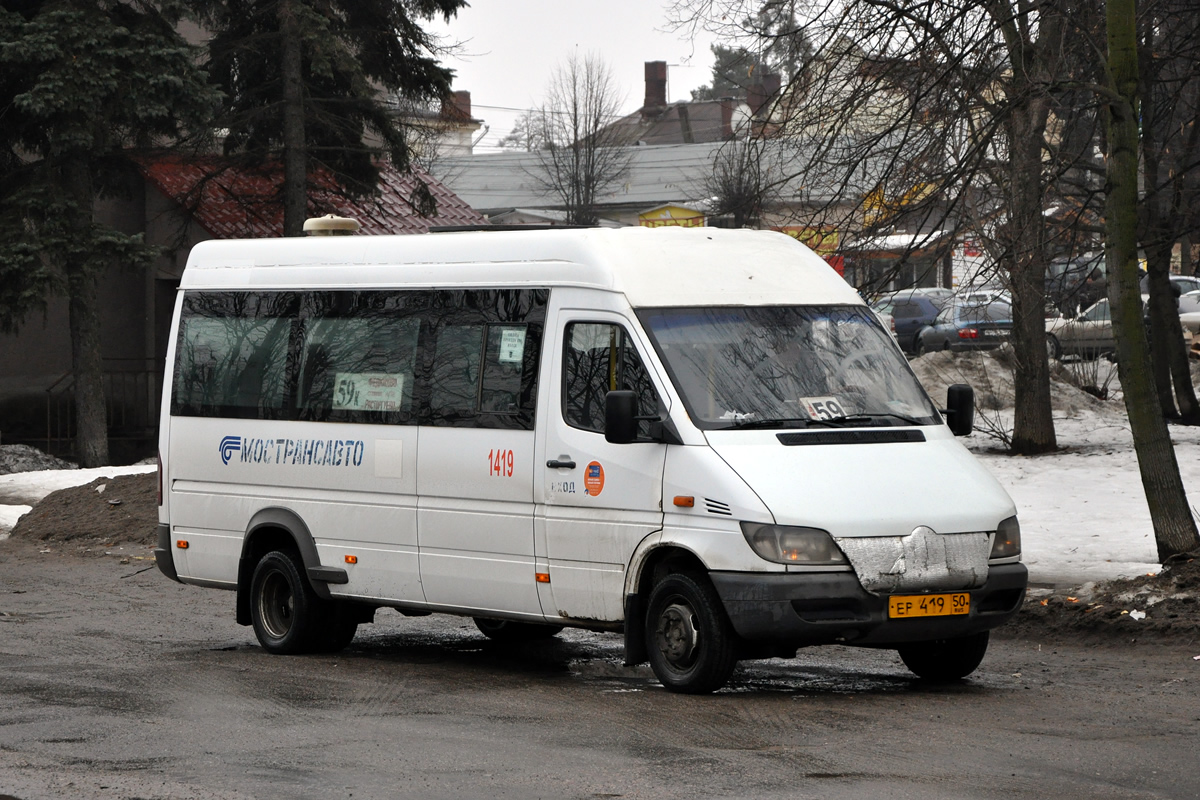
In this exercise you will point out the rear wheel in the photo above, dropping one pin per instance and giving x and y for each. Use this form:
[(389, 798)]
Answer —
[(689, 640), (945, 659), (286, 612), (504, 630)]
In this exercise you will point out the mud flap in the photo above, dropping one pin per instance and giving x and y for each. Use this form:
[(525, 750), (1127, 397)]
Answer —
[(635, 630)]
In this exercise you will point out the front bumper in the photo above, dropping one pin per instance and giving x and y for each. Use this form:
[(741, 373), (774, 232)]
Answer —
[(800, 609)]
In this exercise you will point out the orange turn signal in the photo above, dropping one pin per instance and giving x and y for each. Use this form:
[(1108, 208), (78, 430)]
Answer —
[(685, 502), (181, 544), (542, 577), (351, 559)]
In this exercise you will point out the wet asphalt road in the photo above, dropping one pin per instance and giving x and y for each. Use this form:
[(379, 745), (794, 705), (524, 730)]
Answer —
[(116, 683)]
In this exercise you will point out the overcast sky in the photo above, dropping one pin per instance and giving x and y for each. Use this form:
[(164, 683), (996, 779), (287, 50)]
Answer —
[(510, 48)]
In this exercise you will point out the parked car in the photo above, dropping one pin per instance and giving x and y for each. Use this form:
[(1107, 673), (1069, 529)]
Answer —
[(1185, 284), (1189, 302), (913, 310), (1090, 334), (967, 326)]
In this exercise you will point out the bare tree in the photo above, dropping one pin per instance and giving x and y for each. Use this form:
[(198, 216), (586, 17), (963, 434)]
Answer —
[(1169, 90), (526, 134), (740, 184), (944, 108), (584, 154), (1174, 528)]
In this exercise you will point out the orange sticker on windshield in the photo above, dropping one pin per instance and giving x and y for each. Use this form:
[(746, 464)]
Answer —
[(593, 479)]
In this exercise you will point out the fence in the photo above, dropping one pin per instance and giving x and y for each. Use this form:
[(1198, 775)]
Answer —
[(132, 390)]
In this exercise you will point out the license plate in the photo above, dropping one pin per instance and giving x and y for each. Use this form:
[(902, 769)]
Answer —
[(906, 606), (993, 333)]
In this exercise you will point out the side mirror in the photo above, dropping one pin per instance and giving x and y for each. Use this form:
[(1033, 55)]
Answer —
[(620, 416), (960, 409)]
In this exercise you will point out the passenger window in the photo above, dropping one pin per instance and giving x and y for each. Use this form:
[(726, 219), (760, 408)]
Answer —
[(600, 358), (358, 360), (483, 359), (232, 355)]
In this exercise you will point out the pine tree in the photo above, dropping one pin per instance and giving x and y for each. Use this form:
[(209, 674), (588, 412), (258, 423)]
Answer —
[(83, 85), (307, 85)]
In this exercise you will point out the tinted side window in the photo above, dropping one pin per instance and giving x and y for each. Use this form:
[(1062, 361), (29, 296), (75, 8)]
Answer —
[(233, 353), (481, 353), (358, 357), (464, 358), (599, 358)]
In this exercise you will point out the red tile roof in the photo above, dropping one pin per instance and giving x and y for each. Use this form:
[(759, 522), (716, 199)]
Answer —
[(233, 203)]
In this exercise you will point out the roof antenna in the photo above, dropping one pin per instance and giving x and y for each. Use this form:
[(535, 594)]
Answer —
[(331, 225)]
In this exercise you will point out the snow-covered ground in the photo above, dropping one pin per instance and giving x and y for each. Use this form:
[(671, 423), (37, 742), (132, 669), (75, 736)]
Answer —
[(1083, 511)]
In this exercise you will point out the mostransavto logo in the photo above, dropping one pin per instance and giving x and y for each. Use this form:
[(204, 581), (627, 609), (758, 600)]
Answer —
[(293, 452), (229, 446)]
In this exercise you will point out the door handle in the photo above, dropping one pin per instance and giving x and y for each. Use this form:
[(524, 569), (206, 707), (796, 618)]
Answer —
[(554, 463)]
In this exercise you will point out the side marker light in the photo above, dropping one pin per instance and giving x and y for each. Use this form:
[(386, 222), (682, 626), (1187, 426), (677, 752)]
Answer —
[(351, 559), (542, 577), (685, 502), (182, 544)]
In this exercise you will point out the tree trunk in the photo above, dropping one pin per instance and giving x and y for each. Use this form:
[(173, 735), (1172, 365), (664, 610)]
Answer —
[(1174, 528), (295, 151), (91, 423), (91, 419), (1160, 305), (1168, 355), (1033, 425)]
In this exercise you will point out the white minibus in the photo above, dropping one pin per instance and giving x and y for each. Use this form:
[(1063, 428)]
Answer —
[(700, 438)]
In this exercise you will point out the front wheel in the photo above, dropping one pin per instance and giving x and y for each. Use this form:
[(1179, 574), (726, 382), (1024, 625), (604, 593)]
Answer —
[(945, 659), (689, 640)]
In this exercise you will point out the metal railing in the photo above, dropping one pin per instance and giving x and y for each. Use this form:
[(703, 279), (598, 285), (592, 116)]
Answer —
[(132, 390)]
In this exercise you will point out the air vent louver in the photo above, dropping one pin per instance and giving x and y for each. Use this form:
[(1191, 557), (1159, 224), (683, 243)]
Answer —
[(717, 507)]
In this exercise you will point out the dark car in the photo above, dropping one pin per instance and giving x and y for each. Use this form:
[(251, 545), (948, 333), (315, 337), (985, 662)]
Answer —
[(913, 311), (968, 326)]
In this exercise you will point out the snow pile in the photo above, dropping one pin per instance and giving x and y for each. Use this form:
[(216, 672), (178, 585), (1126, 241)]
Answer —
[(990, 374), (23, 458)]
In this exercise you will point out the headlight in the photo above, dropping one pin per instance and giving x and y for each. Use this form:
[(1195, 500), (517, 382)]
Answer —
[(1008, 539), (785, 544)]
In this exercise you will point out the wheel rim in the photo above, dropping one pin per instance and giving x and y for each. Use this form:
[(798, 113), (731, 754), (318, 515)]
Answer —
[(276, 605), (677, 635)]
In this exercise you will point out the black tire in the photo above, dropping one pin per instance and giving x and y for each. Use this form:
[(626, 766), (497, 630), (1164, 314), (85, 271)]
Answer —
[(918, 347), (1053, 348), (691, 645), (945, 659), (505, 630), (288, 616)]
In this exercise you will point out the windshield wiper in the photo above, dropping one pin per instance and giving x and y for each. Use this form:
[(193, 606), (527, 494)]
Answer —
[(778, 422), (867, 417)]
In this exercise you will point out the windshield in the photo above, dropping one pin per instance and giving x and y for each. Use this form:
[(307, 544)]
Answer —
[(786, 366)]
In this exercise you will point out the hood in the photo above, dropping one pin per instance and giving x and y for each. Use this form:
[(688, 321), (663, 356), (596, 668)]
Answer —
[(875, 489)]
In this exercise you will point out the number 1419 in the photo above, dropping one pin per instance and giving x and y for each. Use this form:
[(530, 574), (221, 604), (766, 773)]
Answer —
[(500, 463)]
